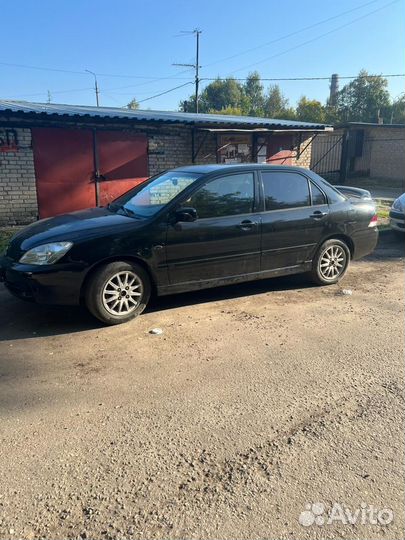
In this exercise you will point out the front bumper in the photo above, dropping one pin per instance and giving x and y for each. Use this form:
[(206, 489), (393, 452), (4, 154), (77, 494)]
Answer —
[(50, 284), (397, 221)]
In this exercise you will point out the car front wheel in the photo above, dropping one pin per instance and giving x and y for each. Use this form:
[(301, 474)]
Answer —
[(117, 292), (330, 263)]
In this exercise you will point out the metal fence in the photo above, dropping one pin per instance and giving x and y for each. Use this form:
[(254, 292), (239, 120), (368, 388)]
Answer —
[(327, 155)]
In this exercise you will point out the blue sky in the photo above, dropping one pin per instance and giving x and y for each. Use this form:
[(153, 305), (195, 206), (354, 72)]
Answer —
[(125, 39)]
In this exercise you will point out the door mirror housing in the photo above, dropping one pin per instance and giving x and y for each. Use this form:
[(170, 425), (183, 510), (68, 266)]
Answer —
[(185, 214)]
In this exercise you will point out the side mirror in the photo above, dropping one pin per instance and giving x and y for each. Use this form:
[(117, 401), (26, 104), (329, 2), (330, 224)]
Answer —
[(185, 215)]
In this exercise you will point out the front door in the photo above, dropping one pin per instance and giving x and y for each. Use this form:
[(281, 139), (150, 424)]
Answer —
[(294, 221), (224, 241)]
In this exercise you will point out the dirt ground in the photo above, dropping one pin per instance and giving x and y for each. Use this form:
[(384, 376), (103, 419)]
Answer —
[(256, 400)]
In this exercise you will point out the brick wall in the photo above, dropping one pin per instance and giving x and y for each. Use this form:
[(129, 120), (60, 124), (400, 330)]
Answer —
[(171, 147), (304, 159), (18, 196), (168, 147), (387, 153)]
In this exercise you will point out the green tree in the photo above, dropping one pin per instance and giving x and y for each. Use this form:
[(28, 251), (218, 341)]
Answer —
[(254, 94), (276, 104), (219, 95), (234, 111), (222, 94), (398, 111), (310, 110), (364, 99), (133, 104)]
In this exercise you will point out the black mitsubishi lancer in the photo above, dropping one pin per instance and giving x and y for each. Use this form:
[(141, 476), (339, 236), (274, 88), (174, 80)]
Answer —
[(190, 228)]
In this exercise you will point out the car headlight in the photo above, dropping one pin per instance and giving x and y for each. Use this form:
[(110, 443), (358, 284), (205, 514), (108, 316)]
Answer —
[(47, 253)]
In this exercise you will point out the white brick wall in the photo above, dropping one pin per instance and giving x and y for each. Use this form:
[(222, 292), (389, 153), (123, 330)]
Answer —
[(18, 196)]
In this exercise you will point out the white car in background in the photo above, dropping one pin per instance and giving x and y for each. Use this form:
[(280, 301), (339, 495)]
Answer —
[(397, 214)]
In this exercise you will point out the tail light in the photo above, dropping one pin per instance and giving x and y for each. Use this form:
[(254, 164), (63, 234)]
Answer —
[(373, 222)]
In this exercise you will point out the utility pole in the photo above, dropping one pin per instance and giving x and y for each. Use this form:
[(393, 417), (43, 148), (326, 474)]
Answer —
[(195, 66), (95, 86), (49, 97), (334, 88)]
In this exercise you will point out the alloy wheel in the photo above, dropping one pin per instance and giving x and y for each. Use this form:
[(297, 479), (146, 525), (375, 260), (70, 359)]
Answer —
[(122, 293), (332, 262)]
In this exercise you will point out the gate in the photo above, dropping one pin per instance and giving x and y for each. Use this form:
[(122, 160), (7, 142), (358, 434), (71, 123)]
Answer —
[(326, 155), (82, 168)]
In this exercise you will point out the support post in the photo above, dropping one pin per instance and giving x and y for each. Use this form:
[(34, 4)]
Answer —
[(96, 162), (193, 145), (344, 160)]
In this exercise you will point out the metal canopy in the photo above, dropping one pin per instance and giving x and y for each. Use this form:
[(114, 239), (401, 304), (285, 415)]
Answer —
[(262, 130), (52, 111)]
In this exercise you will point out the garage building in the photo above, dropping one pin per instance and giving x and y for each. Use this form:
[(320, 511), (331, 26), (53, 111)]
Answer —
[(61, 158)]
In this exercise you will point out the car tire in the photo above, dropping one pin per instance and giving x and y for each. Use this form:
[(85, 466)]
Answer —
[(330, 262), (117, 292)]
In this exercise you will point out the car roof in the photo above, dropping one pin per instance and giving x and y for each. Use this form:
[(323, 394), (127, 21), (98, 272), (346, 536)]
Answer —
[(217, 167)]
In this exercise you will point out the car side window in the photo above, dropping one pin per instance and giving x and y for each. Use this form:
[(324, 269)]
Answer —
[(284, 190), (225, 196), (318, 196)]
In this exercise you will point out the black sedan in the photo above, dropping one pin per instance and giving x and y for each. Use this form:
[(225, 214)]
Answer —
[(190, 228)]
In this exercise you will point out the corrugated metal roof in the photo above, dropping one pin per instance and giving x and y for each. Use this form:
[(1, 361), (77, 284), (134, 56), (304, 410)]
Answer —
[(22, 108), (370, 125)]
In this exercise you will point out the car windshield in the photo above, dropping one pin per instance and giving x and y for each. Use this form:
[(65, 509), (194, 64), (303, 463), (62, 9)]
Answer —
[(146, 200)]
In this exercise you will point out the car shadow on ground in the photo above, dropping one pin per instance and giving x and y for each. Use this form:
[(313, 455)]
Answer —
[(22, 320)]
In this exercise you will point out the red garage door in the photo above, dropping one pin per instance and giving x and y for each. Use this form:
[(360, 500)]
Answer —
[(123, 162), (66, 161), (64, 168), (279, 150)]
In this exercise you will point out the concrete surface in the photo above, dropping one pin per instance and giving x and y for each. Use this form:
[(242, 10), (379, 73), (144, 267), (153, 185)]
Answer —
[(257, 400)]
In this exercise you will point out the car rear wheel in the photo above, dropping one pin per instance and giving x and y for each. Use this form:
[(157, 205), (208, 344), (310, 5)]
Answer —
[(117, 292), (331, 262)]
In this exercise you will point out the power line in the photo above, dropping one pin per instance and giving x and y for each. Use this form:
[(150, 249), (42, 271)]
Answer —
[(25, 66), (55, 92), (109, 75), (305, 78), (317, 37), (110, 91), (165, 92), (286, 36), (153, 79)]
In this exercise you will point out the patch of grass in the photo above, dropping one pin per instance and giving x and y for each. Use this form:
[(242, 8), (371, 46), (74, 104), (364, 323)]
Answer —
[(383, 212)]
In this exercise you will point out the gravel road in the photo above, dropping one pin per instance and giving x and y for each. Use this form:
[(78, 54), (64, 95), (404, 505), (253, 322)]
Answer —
[(256, 400)]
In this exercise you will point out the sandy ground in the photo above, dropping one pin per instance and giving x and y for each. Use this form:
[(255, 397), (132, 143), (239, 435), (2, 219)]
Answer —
[(257, 400)]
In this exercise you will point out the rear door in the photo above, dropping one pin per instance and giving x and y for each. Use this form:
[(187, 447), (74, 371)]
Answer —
[(294, 221), (225, 239)]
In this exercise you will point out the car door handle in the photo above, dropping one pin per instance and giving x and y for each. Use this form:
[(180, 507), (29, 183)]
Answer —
[(318, 214), (247, 225)]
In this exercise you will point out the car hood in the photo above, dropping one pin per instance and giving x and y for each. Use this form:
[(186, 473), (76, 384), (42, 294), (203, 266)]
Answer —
[(83, 225)]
